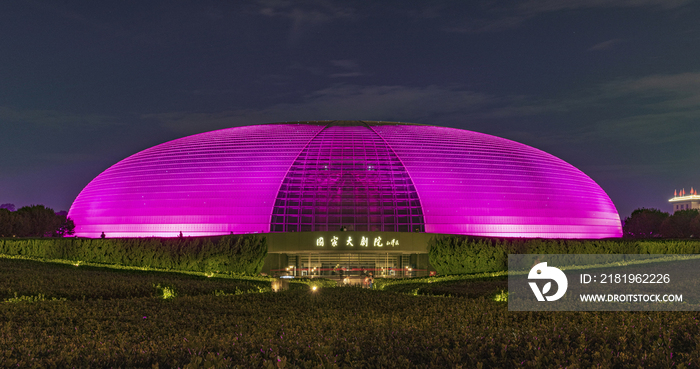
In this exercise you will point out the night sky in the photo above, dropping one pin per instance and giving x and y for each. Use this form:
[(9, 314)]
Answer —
[(610, 86)]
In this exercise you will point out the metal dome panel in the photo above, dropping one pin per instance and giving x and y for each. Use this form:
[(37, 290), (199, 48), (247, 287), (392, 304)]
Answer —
[(448, 180), (477, 184), (208, 184)]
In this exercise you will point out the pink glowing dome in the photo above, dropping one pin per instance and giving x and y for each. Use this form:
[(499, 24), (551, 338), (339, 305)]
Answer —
[(366, 176)]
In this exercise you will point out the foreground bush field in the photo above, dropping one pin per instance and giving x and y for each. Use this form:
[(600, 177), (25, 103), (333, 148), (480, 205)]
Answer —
[(334, 327), (470, 288), (30, 278)]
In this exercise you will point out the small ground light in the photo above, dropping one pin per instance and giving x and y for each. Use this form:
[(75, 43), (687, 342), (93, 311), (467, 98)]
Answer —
[(313, 288)]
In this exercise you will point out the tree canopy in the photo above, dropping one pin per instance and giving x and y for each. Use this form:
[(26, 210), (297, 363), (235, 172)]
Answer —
[(644, 223), (35, 221), (678, 224)]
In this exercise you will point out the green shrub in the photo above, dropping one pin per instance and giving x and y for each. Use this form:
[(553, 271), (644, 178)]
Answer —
[(337, 327), (227, 254), (80, 282), (311, 282), (165, 292), (39, 297), (468, 255)]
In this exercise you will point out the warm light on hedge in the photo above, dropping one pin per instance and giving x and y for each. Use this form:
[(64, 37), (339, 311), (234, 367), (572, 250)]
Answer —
[(280, 285)]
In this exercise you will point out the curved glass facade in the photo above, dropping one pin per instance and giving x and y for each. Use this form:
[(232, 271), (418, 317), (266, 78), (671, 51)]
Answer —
[(207, 184), (473, 183), (373, 176)]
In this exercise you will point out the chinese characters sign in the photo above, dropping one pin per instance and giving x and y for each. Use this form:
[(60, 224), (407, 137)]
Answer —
[(349, 241)]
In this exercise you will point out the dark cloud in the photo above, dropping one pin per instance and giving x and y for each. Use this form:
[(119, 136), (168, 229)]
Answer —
[(605, 45), (670, 85), (544, 6), (349, 102), (656, 104), (610, 86), (54, 118), (473, 26), (349, 68), (499, 16), (305, 15)]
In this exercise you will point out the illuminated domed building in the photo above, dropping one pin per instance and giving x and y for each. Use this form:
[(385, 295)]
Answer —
[(306, 180)]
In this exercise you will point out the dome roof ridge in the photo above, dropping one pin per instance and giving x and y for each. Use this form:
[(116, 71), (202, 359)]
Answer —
[(349, 123)]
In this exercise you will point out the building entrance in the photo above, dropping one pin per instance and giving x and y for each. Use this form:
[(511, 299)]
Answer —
[(351, 265)]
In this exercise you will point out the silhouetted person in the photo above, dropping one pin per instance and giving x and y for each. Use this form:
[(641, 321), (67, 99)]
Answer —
[(102, 235)]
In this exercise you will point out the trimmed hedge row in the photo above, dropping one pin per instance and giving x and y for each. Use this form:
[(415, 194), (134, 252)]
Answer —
[(226, 254), (463, 254)]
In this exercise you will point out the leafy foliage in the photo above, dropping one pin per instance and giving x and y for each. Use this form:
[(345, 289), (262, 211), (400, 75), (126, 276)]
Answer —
[(678, 224), (455, 254), (469, 288), (695, 226), (33, 278), (502, 296), (311, 282), (332, 328), (39, 297), (383, 283), (34, 221), (165, 292), (644, 223), (5, 222), (464, 254), (230, 254)]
